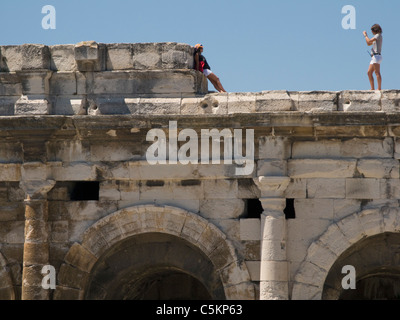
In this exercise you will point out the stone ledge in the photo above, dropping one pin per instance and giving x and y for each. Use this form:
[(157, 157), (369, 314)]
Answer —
[(102, 57)]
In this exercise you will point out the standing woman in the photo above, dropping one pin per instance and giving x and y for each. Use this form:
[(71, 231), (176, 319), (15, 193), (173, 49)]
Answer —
[(376, 54), (202, 66)]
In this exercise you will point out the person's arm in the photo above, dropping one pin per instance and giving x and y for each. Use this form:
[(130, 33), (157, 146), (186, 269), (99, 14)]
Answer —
[(197, 61), (369, 41)]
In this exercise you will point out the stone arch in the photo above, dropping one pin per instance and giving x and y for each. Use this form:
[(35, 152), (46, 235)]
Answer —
[(75, 272), (341, 235), (7, 291)]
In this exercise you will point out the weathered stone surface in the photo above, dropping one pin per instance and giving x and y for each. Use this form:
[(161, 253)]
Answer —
[(81, 113)]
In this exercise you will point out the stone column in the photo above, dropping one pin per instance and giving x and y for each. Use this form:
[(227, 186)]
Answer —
[(274, 280), (36, 245)]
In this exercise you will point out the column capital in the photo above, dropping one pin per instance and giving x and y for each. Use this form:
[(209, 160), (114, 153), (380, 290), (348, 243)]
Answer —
[(37, 189), (272, 186)]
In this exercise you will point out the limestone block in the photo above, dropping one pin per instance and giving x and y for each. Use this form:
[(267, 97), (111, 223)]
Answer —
[(359, 101), (321, 168), (354, 148), (314, 209), (68, 151), (302, 291), (176, 56), (37, 105), (390, 101), (25, 57), (397, 149), (34, 82), (89, 210), (267, 101), (160, 106), (345, 207), (146, 56), (250, 229), (74, 171), (226, 208), (272, 168), (13, 232), (10, 172), (351, 228), (142, 170), (371, 221), (390, 188), (209, 104), (11, 152), (334, 240), (254, 268), (317, 101), (74, 277), (241, 102), (34, 171), (321, 256), (379, 168), (59, 231), (274, 148), (326, 188), (119, 56), (62, 57), (128, 190), (69, 105), (114, 151), (296, 189), (310, 273), (391, 219), (89, 56), (363, 188), (220, 189), (10, 211), (109, 190), (7, 105), (170, 190), (10, 84), (117, 105), (63, 83)]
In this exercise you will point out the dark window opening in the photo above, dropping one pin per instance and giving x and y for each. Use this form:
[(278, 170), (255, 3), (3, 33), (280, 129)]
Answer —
[(253, 209), (155, 183), (289, 211), (85, 191)]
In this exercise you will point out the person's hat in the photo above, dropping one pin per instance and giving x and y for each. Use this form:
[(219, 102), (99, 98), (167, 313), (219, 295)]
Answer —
[(198, 46)]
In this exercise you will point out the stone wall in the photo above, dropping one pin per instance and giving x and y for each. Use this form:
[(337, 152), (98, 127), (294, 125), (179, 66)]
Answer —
[(76, 186)]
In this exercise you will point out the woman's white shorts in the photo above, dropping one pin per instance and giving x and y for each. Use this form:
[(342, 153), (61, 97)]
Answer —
[(207, 72), (376, 59)]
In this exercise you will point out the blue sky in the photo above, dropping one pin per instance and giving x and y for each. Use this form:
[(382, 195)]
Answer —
[(252, 45)]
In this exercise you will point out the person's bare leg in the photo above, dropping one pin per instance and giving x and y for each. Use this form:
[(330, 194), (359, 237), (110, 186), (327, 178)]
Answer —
[(371, 70), (216, 82), (377, 68)]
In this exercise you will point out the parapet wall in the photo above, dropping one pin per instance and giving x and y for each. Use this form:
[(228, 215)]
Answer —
[(92, 78)]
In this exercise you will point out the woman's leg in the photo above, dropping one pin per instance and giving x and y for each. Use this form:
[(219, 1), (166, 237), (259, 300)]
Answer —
[(377, 68), (371, 70), (216, 82)]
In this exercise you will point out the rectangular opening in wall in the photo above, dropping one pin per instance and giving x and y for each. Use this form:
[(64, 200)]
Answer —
[(253, 209), (85, 191), (289, 211)]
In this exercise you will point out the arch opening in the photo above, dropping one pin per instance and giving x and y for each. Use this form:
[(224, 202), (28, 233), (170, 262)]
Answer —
[(376, 261), (153, 266)]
